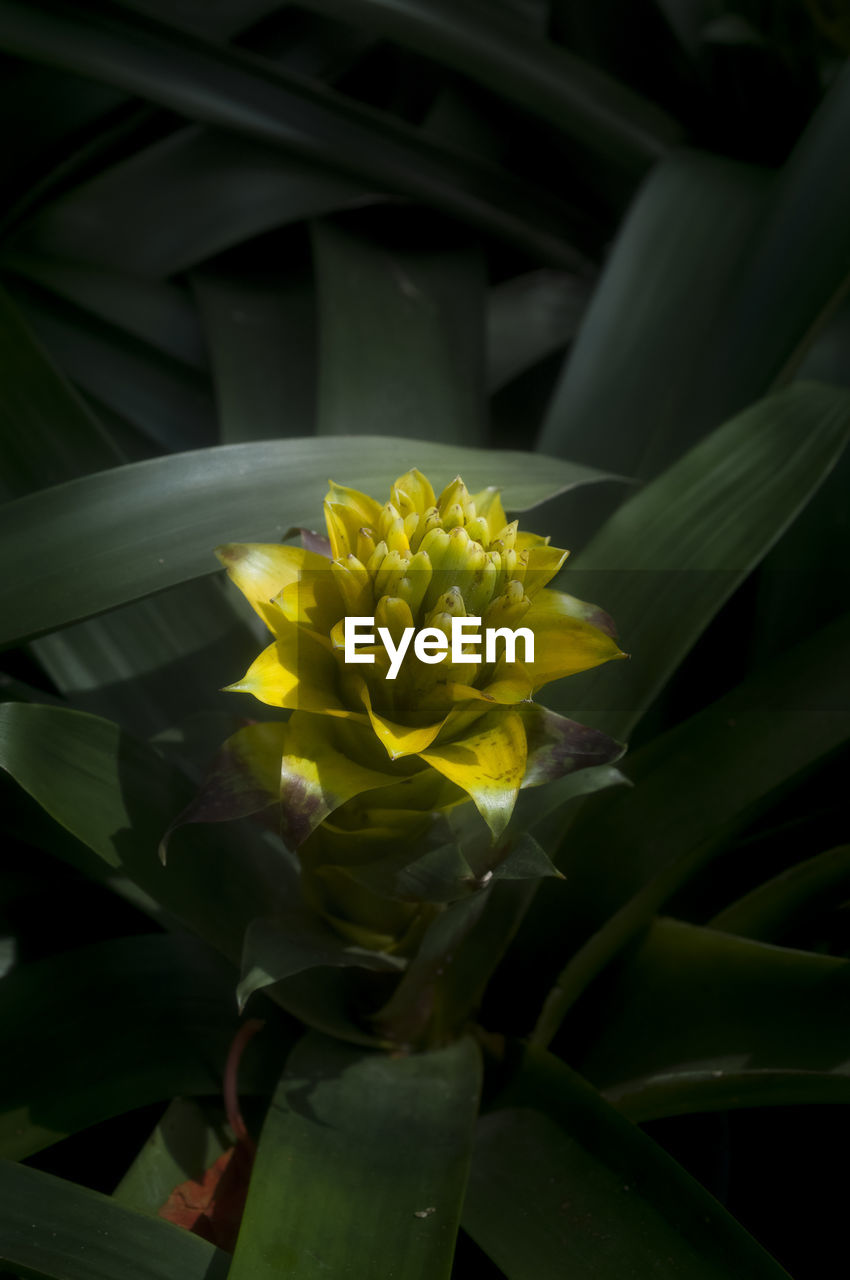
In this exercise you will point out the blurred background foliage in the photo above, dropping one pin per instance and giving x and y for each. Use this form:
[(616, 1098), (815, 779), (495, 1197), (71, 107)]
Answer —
[(597, 232)]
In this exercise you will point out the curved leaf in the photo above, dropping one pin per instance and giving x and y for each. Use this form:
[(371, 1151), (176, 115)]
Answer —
[(46, 432), (529, 317), (96, 1032), (626, 390), (55, 1229), (96, 543), (770, 910), (561, 1184), (694, 1005), (117, 796), (363, 1159), (706, 777), (226, 87), (262, 350), (481, 42), (401, 333), (674, 552)]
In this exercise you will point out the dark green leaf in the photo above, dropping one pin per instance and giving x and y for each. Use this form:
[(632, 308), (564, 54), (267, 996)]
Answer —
[(118, 797), (703, 1019), (563, 1185), (183, 200), (99, 1031), (46, 433), (157, 313), (401, 334), (292, 942), (492, 48), (796, 273), (225, 87), (262, 347), (673, 553), (102, 541), (627, 388), (440, 875), (694, 785), (55, 1229), (361, 1166), (152, 662), (183, 1145), (789, 900), (162, 397), (529, 317)]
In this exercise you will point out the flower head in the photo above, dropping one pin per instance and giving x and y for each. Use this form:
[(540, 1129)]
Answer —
[(416, 561), (370, 754)]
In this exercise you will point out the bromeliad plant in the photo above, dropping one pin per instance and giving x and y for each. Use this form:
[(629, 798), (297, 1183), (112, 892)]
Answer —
[(271, 244), (384, 745)]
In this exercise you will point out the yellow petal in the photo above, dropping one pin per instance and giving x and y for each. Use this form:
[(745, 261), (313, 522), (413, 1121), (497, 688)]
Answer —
[(347, 511), (526, 540), (399, 739), (316, 777), (412, 492), (261, 570), (542, 565), (488, 763), (296, 671), (488, 503), (563, 644)]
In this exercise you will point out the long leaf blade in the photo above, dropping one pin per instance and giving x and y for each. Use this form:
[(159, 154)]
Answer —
[(88, 546), (90, 1236), (104, 1029), (362, 1165), (561, 1184), (675, 551), (706, 776), (235, 91)]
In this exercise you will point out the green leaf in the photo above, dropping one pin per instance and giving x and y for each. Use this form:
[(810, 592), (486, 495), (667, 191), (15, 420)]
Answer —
[(494, 49), (182, 1146), (158, 313), (694, 785), (99, 1031), (223, 86), (55, 1229), (117, 796), (151, 662), (401, 333), (771, 910), (673, 553), (796, 273), (262, 347), (183, 200), (529, 317), (628, 386), (696, 1019), (163, 398), (290, 943), (99, 542), (361, 1165), (46, 432), (440, 875), (563, 1185)]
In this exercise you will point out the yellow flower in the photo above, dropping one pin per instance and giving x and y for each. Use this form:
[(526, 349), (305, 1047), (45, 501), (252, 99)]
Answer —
[(370, 755)]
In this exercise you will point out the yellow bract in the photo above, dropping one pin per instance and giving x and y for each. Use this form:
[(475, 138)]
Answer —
[(417, 560)]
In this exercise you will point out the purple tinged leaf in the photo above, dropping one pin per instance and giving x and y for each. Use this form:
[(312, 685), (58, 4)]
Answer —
[(244, 779), (311, 540), (558, 746)]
